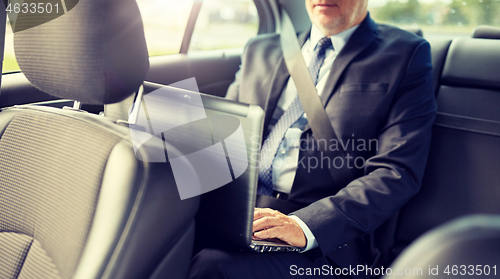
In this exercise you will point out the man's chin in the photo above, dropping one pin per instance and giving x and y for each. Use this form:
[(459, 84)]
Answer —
[(327, 19), (328, 24)]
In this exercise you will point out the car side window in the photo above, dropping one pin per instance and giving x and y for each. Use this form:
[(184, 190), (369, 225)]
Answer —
[(9, 58), (164, 24), (449, 19), (224, 24)]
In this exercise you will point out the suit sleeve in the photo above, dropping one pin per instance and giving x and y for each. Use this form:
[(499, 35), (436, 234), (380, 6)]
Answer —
[(393, 175)]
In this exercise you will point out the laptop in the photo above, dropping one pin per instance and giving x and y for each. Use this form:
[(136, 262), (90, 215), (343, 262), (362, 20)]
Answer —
[(225, 213), (228, 211)]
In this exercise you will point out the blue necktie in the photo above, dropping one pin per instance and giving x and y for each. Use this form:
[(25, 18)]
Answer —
[(289, 117)]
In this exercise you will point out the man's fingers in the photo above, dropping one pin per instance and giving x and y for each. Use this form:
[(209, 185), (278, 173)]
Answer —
[(273, 232), (263, 212), (268, 222), (281, 227)]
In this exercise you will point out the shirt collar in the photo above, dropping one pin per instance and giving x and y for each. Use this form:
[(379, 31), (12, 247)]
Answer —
[(338, 40)]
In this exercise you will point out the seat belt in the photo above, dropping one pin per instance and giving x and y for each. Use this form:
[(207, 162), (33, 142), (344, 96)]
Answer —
[(311, 103)]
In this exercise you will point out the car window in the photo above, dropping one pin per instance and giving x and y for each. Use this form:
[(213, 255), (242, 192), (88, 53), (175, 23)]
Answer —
[(224, 24), (9, 58), (164, 25), (437, 17)]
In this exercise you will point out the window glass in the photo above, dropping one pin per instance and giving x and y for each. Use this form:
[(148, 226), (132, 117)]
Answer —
[(9, 58), (452, 17), (164, 24), (224, 24)]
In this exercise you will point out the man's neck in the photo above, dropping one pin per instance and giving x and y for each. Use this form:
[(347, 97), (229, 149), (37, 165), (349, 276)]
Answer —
[(338, 40)]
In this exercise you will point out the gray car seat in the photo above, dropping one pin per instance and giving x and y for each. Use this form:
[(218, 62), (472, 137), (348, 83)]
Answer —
[(462, 175), (465, 248), (76, 201)]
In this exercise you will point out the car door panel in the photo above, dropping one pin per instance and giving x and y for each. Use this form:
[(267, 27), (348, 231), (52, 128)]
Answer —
[(17, 90), (214, 70)]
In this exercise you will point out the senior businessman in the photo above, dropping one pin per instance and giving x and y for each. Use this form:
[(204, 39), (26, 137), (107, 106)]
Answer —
[(375, 82)]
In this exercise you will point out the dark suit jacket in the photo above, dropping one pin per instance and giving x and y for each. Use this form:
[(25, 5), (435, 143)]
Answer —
[(380, 88)]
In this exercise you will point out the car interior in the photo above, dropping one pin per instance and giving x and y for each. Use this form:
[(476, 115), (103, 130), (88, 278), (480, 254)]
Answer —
[(76, 202)]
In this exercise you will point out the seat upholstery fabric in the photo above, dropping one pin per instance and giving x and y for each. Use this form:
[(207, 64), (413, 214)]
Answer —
[(77, 202), (50, 173)]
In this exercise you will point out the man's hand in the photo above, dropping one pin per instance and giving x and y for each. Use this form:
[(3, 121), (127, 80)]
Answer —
[(268, 223)]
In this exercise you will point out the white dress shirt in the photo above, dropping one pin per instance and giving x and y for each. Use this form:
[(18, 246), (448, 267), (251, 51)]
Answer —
[(287, 157)]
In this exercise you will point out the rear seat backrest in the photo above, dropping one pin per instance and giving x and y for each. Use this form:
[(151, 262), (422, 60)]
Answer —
[(462, 175), (439, 49)]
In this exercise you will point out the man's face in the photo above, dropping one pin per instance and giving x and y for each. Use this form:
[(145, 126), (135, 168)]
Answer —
[(335, 16)]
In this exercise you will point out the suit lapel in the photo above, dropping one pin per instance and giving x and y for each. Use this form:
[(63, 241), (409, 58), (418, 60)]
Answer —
[(359, 41), (280, 79)]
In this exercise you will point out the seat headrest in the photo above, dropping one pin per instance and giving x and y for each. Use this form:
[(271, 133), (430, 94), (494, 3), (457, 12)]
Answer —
[(95, 53), (486, 32), (472, 63)]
